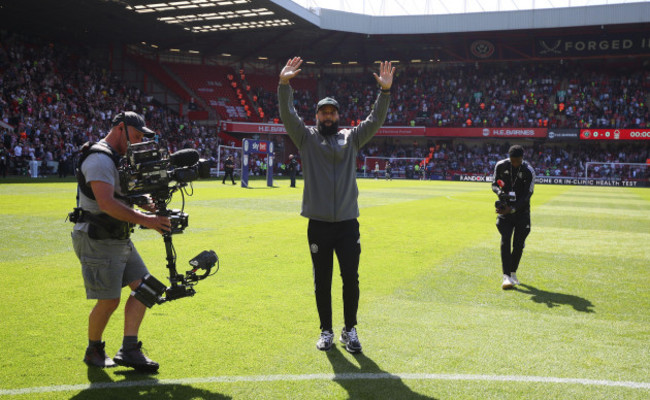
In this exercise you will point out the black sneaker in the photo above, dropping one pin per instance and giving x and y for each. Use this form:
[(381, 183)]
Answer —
[(96, 357), (135, 359), (351, 340)]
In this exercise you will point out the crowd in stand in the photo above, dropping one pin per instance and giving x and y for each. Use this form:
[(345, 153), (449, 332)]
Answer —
[(554, 95), (443, 159), (57, 98)]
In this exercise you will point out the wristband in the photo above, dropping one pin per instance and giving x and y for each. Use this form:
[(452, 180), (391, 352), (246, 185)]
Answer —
[(385, 90)]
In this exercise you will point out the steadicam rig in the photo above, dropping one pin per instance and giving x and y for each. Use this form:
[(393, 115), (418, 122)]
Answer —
[(151, 291), (148, 174)]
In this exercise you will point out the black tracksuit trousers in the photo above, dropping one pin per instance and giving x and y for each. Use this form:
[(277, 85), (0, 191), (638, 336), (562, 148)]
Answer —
[(325, 238), (228, 173), (519, 225), (292, 175)]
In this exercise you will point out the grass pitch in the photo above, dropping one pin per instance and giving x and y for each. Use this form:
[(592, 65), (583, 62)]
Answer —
[(433, 320)]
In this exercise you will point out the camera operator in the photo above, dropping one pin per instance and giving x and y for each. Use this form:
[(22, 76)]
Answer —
[(513, 182), (109, 260), (229, 168), (329, 164)]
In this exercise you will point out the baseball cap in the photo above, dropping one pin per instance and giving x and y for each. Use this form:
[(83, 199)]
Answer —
[(327, 101), (135, 120)]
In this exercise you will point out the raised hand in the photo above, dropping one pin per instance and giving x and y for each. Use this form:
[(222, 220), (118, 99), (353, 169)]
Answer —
[(385, 77), (290, 70)]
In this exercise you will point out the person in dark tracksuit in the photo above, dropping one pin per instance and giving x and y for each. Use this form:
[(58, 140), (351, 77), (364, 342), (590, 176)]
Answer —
[(292, 165), (513, 182), (229, 168), (4, 160), (329, 164)]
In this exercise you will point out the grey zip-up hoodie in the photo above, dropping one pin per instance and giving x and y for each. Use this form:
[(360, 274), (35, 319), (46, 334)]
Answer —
[(329, 163)]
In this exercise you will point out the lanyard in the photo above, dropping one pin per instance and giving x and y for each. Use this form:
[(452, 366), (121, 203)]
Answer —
[(512, 182)]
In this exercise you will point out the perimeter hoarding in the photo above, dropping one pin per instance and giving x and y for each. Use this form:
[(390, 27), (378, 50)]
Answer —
[(248, 127), (615, 134), (563, 134), (488, 132), (278, 129), (561, 180)]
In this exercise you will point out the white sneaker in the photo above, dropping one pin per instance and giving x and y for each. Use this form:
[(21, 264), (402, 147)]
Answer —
[(507, 282), (325, 340), (513, 278)]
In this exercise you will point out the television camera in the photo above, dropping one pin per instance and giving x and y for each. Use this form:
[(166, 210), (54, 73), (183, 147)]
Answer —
[(149, 174), (505, 199)]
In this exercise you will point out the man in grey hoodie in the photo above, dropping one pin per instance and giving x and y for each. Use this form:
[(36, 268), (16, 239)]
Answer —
[(329, 164)]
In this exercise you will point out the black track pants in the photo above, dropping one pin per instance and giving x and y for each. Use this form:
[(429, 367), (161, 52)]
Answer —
[(228, 174), (292, 175), (325, 238), (519, 225)]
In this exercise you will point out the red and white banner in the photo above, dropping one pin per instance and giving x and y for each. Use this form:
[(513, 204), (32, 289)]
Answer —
[(488, 132), (402, 131), (615, 134), (255, 128), (247, 127)]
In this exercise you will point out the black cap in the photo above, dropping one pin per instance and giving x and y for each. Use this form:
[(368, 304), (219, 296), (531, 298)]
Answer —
[(327, 101), (135, 120)]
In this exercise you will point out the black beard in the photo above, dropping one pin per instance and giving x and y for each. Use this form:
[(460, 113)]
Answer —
[(328, 130)]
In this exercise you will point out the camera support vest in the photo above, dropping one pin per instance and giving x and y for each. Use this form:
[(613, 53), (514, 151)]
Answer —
[(87, 149)]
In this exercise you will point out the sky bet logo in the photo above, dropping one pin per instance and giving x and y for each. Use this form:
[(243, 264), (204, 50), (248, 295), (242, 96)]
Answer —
[(259, 146)]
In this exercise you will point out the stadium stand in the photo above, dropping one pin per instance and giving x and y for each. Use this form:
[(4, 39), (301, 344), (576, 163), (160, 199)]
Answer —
[(157, 71), (522, 94), (451, 157), (54, 98)]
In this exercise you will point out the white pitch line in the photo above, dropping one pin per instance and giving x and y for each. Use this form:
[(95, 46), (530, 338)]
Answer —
[(324, 377)]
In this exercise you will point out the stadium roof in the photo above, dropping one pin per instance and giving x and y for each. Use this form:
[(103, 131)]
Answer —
[(429, 7), (278, 29)]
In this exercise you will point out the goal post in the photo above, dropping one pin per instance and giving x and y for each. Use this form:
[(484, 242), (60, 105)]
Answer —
[(617, 170), (223, 153), (399, 166), (251, 150)]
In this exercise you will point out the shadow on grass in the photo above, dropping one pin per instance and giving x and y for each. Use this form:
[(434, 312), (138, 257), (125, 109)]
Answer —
[(556, 299), (368, 381), (140, 386)]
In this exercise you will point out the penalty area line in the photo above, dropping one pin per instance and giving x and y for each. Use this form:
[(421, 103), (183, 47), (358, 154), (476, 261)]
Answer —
[(324, 377)]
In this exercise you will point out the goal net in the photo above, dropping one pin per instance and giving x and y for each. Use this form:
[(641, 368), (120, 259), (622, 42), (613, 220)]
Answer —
[(616, 170), (401, 167), (224, 152)]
